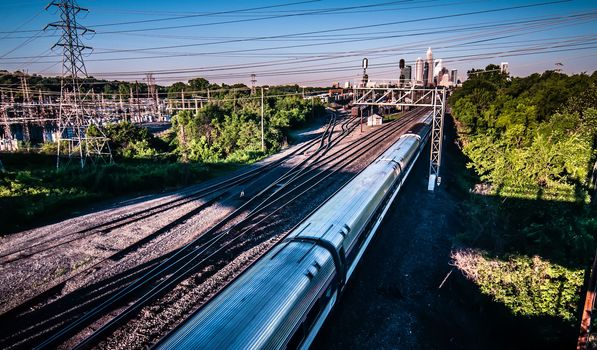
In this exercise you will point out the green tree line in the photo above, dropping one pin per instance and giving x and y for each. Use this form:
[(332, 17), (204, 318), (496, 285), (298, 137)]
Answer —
[(219, 137), (531, 145), (533, 140), (232, 130)]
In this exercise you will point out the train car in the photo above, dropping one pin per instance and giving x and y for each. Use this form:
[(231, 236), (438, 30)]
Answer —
[(283, 299)]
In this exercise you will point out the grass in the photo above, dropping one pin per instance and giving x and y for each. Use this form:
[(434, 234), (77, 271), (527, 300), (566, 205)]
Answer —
[(33, 192)]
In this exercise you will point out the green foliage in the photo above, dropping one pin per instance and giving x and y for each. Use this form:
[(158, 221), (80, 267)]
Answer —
[(532, 143), (528, 286), (217, 132), (519, 142), (39, 192), (224, 133), (110, 88), (130, 141)]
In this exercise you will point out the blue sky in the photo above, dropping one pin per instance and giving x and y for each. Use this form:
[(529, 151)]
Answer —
[(309, 42)]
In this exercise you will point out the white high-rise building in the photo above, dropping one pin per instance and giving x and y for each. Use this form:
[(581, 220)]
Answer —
[(430, 62), (505, 68), (419, 71)]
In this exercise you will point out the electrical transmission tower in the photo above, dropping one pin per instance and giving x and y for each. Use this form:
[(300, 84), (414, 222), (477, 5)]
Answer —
[(152, 95), (74, 121), (253, 82), (27, 110), (7, 137)]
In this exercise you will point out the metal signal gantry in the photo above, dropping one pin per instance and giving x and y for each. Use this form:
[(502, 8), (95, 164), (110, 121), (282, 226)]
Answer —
[(412, 97)]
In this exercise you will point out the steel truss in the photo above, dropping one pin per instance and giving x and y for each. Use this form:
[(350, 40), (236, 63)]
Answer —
[(412, 97), (74, 119)]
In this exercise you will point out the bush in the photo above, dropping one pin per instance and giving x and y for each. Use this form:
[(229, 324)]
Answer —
[(528, 286)]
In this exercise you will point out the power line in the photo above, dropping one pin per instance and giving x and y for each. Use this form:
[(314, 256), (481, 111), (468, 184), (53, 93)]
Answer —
[(548, 20), (334, 29), (352, 27)]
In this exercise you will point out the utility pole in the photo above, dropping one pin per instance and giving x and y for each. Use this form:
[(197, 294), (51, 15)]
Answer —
[(131, 103), (182, 99), (138, 104), (122, 105), (262, 132), (73, 120)]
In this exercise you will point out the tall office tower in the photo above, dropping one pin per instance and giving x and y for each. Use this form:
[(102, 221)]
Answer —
[(437, 68), (429, 80), (419, 72), (505, 68), (401, 66), (454, 77), (408, 73), (426, 74)]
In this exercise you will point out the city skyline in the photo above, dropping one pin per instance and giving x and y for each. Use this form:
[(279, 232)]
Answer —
[(305, 42)]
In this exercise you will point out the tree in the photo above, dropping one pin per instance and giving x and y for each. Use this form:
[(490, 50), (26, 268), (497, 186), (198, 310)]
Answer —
[(198, 84)]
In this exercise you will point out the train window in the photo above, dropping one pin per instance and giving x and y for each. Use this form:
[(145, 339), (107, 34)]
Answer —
[(302, 330), (313, 313), (328, 292), (297, 338)]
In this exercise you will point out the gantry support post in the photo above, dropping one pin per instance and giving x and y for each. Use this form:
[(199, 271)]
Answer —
[(437, 135)]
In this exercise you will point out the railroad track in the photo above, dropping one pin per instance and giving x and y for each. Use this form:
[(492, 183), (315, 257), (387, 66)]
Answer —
[(219, 187), (40, 247), (162, 275), (28, 250), (211, 193), (206, 251)]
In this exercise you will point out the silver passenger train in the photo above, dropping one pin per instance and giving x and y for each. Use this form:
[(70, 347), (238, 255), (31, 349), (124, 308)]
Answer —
[(283, 299)]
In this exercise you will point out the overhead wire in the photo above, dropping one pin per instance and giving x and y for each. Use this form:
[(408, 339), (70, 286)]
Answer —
[(331, 56), (547, 20)]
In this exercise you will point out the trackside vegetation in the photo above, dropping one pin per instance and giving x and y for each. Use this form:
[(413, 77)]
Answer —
[(532, 222), (221, 136)]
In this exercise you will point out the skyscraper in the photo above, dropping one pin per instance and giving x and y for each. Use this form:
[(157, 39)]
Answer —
[(426, 74), (408, 73), (429, 80), (419, 71), (437, 68), (454, 77), (505, 68)]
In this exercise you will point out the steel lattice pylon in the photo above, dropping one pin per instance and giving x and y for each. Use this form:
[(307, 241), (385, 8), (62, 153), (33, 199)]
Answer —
[(74, 121)]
